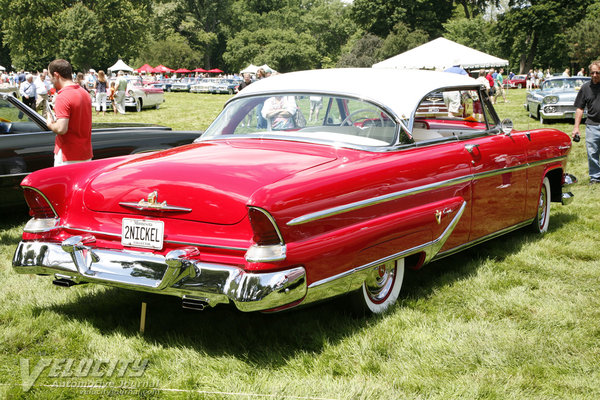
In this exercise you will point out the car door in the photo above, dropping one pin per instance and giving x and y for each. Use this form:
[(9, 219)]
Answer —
[(498, 163)]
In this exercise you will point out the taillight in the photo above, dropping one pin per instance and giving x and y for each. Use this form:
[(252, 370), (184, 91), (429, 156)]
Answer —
[(265, 231), (39, 206)]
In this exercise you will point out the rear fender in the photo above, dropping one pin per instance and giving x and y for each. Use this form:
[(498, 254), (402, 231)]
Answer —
[(423, 228)]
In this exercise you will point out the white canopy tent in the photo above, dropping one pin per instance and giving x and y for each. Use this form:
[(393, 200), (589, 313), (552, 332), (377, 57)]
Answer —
[(250, 69), (2, 68), (120, 66), (440, 54)]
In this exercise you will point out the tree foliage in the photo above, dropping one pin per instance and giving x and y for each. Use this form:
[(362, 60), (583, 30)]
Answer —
[(531, 34), (379, 17), (582, 38), (291, 34)]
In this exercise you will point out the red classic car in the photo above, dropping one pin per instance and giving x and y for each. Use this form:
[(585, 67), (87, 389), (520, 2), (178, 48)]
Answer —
[(307, 186), (517, 82)]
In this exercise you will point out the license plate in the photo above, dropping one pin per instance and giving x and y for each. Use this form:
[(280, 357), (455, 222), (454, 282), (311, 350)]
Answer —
[(144, 233)]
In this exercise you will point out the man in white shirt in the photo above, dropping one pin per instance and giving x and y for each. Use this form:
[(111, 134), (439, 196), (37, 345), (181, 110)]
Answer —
[(28, 92), (42, 86)]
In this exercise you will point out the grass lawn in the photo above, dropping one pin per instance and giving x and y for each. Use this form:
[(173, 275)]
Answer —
[(515, 318)]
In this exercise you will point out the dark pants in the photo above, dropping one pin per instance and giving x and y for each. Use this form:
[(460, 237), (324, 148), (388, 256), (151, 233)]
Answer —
[(29, 102)]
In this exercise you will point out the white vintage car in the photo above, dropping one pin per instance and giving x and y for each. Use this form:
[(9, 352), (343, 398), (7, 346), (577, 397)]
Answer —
[(138, 95)]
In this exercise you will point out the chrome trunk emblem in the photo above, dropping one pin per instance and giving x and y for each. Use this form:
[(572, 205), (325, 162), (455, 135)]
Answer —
[(153, 204)]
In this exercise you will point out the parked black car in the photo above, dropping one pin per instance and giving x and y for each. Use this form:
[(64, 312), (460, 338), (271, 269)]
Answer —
[(26, 144)]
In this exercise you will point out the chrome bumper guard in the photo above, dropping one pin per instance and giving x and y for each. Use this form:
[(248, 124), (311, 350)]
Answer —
[(174, 274), (567, 197)]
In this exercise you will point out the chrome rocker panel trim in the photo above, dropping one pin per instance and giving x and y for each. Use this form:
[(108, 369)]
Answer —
[(174, 274), (352, 279)]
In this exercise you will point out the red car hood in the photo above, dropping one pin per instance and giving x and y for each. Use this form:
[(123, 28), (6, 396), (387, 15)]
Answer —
[(213, 179)]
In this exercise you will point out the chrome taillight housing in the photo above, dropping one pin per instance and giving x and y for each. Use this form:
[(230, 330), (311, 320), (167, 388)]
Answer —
[(44, 217), (269, 245)]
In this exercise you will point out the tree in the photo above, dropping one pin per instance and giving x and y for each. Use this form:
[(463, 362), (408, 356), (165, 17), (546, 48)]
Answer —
[(364, 52), (36, 31), (379, 17), (582, 38), (82, 42), (173, 51), (284, 50), (401, 40), (531, 33), (476, 33)]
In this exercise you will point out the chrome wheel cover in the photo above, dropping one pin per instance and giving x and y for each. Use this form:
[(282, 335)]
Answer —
[(380, 282)]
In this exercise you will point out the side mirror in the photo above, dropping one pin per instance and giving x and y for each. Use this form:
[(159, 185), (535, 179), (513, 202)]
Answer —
[(507, 126)]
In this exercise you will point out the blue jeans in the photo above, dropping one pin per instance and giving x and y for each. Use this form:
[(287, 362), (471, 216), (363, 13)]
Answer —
[(592, 142)]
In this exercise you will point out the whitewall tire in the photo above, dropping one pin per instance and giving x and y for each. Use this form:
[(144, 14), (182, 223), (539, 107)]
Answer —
[(381, 288)]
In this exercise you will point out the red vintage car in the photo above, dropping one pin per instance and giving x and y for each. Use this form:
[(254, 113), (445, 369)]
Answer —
[(307, 186), (517, 82)]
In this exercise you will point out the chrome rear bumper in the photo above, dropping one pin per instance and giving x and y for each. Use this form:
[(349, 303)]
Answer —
[(567, 197), (175, 274)]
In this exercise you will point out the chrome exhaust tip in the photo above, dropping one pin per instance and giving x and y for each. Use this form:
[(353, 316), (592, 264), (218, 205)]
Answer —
[(64, 282), (191, 303)]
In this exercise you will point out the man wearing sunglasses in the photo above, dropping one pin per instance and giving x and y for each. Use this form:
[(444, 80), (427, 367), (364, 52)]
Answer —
[(589, 97)]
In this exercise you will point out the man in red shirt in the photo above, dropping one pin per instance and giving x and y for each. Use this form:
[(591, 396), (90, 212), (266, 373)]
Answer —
[(73, 121)]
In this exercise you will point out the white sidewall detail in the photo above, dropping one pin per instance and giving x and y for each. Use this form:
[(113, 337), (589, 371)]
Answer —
[(378, 308)]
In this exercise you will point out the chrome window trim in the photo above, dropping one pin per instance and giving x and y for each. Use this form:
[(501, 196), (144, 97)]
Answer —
[(409, 192), (401, 122)]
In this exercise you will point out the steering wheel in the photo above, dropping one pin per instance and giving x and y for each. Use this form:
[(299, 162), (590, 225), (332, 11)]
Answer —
[(349, 121)]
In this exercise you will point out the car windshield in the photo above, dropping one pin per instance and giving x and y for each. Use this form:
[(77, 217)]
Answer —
[(314, 118), (564, 84)]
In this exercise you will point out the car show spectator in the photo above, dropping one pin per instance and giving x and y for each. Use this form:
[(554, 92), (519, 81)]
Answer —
[(101, 90), (279, 111), (28, 92), (121, 87), (499, 86), (566, 72), (42, 87), (588, 97), (111, 95), (581, 72), (73, 121), (490, 80)]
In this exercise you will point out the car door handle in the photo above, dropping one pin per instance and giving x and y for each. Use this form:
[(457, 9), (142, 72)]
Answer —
[(471, 147)]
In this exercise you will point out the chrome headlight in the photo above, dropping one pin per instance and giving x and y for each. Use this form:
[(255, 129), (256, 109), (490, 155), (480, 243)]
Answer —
[(551, 99)]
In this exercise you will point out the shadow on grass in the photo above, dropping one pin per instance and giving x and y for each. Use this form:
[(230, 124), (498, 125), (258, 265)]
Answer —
[(421, 283), (261, 339), (268, 339)]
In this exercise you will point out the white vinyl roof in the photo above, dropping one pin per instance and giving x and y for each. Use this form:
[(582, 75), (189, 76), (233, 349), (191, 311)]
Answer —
[(440, 54), (400, 91)]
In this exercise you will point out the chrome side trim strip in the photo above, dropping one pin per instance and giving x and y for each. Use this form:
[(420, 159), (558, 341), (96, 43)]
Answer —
[(376, 200), (404, 193), (431, 248), (23, 174), (482, 239)]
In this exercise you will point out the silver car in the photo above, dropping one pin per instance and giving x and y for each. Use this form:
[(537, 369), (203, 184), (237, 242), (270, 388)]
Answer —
[(555, 99)]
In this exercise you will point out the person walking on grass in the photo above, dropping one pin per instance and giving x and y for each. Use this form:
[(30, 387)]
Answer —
[(589, 97)]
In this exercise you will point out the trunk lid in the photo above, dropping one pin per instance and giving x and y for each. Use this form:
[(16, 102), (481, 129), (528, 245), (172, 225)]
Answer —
[(212, 179)]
